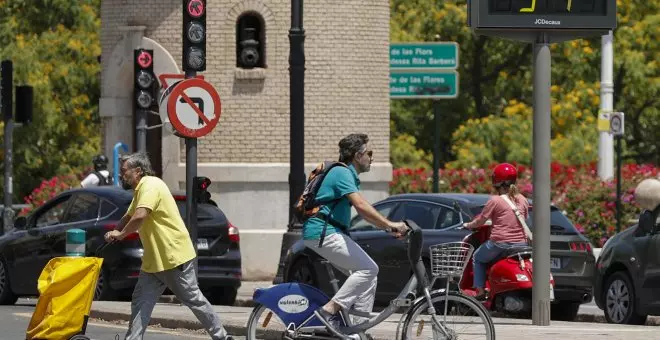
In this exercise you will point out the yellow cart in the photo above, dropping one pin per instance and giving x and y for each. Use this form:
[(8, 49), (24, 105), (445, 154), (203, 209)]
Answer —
[(66, 291)]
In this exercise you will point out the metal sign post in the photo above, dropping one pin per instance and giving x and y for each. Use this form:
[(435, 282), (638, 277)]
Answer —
[(193, 59), (541, 180), (541, 23), (617, 130)]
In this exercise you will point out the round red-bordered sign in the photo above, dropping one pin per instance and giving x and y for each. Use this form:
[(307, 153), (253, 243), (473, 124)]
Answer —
[(194, 108), (145, 59), (196, 8)]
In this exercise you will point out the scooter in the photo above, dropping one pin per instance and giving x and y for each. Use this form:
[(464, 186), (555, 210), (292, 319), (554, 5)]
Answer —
[(508, 278)]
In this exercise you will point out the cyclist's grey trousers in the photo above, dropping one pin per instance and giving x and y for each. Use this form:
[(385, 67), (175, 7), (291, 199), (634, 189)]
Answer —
[(359, 289), (182, 281)]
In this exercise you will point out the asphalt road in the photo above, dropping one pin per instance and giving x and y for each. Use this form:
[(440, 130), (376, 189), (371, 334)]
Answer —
[(15, 319)]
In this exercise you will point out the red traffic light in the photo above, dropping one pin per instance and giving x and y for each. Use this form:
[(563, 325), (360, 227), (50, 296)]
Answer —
[(196, 8), (145, 59), (204, 182)]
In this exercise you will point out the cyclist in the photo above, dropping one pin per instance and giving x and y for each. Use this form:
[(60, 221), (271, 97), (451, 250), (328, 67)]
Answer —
[(507, 230), (327, 232)]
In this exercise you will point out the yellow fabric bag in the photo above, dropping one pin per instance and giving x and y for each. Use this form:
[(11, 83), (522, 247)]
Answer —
[(66, 291)]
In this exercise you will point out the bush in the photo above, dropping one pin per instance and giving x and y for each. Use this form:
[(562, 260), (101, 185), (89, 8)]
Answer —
[(577, 190), (52, 187)]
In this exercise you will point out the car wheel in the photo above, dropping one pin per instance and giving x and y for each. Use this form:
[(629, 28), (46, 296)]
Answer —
[(7, 297), (620, 304), (564, 310), (225, 296), (302, 271)]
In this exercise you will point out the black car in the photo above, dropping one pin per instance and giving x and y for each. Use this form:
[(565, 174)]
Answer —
[(41, 236), (571, 254), (627, 281)]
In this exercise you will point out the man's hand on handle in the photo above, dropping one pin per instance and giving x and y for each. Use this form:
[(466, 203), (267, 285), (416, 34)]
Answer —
[(399, 229), (113, 235)]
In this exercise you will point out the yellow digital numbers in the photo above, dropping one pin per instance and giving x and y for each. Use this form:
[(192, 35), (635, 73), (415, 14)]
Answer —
[(529, 9)]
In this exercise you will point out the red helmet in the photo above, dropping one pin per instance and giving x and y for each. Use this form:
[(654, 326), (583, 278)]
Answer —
[(504, 173)]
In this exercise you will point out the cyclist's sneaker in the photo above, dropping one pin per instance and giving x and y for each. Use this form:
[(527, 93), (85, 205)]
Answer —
[(332, 320)]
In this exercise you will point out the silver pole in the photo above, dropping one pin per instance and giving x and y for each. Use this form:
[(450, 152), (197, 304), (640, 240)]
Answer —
[(541, 182), (142, 130), (605, 140)]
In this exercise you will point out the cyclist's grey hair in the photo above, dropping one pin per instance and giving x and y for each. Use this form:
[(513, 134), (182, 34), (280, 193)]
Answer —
[(138, 160)]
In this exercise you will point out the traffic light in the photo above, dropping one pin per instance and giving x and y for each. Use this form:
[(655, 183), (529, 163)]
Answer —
[(6, 92), (24, 99), (145, 80), (200, 187), (194, 35)]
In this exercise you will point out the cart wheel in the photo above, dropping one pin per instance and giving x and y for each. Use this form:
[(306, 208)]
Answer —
[(79, 337)]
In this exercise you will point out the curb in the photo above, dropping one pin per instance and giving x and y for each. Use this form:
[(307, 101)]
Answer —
[(240, 302), (232, 329)]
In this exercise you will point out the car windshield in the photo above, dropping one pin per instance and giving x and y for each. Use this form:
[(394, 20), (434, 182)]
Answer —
[(560, 224)]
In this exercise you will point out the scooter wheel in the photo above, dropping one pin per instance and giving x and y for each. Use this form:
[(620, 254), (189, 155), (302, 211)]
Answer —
[(79, 337)]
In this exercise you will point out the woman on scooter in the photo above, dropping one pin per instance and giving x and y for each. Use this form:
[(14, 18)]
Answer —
[(506, 230)]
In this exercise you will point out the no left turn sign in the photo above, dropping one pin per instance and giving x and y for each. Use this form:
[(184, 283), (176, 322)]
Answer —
[(193, 108)]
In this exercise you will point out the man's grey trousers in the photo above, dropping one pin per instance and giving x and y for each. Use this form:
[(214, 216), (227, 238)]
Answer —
[(182, 281)]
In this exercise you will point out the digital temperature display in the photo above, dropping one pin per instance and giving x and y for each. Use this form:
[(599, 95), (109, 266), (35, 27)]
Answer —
[(548, 7), (542, 14)]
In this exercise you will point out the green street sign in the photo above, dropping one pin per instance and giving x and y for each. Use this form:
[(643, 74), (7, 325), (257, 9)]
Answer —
[(424, 55), (423, 84)]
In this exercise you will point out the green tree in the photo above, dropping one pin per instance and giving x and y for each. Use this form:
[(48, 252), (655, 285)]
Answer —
[(490, 120), (54, 46)]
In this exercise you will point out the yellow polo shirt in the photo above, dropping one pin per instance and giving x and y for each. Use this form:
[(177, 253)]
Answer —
[(163, 233)]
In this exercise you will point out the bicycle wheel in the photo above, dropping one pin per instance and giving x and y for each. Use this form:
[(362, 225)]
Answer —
[(466, 318), (264, 324)]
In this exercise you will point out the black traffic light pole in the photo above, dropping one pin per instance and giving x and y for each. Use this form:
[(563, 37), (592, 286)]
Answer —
[(7, 106), (193, 60), (297, 107), (24, 96)]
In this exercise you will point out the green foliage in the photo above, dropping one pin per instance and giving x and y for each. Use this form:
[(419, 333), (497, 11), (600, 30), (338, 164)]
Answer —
[(54, 46), (404, 154), (491, 118)]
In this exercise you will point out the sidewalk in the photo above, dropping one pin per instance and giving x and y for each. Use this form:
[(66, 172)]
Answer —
[(174, 315)]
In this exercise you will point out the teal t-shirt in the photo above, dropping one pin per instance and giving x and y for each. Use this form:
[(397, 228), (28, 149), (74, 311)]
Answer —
[(338, 183)]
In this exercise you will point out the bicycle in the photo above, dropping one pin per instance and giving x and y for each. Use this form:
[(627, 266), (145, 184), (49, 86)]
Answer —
[(293, 304)]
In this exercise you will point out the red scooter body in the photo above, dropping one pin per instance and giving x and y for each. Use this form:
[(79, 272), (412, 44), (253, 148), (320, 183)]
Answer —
[(508, 280)]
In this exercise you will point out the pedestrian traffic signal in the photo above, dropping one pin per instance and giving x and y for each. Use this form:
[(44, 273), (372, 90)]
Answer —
[(200, 187), (194, 35), (145, 80)]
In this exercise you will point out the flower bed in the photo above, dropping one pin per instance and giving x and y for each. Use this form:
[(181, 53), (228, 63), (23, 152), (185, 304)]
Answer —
[(587, 201)]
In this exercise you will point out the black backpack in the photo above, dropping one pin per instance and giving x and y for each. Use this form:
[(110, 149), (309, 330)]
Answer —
[(102, 179)]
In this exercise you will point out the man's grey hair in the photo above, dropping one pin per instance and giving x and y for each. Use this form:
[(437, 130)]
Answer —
[(138, 160)]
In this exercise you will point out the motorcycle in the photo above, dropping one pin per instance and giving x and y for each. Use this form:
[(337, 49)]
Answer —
[(508, 278)]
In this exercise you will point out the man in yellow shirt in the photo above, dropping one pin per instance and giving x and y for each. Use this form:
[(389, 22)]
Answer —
[(168, 251)]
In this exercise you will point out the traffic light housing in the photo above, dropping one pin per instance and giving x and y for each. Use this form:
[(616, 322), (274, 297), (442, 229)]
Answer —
[(7, 84), (201, 185), (194, 35), (144, 79), (24, 100)]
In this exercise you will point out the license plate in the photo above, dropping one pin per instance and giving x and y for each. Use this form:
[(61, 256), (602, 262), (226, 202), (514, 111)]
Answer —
[(202, 244), (555, 263)]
